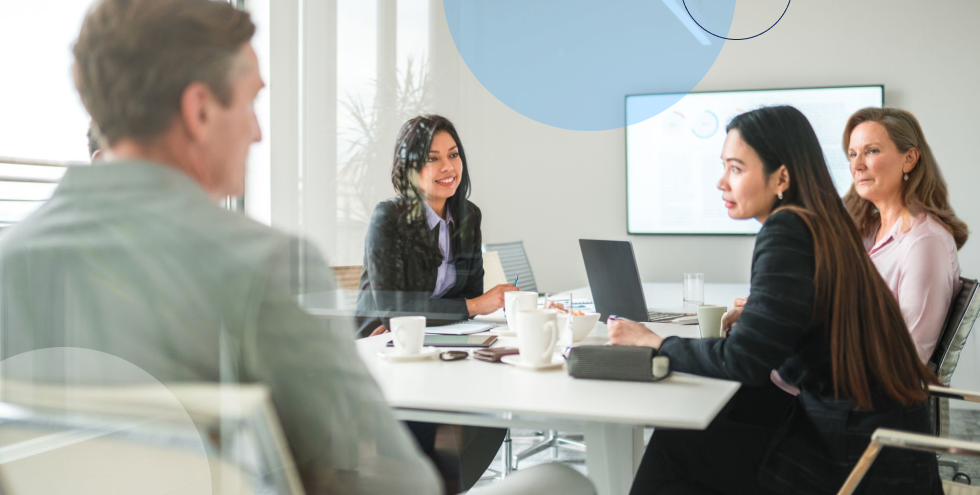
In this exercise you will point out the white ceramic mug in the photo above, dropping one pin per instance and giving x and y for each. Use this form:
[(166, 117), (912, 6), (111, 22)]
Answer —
[(537, 336), (709, 320), (408, 333), (515, 302)]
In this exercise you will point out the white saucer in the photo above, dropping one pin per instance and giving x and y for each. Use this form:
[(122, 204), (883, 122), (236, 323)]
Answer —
[(515, 359), (504, 331), (427, 352)]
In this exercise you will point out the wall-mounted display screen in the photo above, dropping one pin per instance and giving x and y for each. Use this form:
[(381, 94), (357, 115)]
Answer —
[(673, 159)]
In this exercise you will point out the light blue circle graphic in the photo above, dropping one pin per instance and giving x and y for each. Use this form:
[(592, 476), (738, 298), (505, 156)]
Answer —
[(570, 63), (706, 125)]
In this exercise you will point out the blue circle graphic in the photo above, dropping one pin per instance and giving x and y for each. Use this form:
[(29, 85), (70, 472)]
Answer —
[(570, 63), (707, 127), (736, 39)]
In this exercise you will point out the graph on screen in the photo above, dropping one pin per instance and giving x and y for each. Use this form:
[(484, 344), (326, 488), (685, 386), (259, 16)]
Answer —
[(673, 159)]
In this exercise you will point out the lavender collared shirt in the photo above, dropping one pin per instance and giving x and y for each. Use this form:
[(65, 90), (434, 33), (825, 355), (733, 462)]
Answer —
[(446, 277), (922, 268)]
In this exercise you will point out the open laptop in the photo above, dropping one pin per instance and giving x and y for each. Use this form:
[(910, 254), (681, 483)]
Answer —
[(615, 281)]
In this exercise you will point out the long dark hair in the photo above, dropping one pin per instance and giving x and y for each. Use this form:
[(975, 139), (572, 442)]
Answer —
[(924, 190), (869, 342), (412, 153)]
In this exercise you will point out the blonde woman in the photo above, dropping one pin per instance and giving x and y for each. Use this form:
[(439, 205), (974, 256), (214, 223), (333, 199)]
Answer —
[(901, 206)]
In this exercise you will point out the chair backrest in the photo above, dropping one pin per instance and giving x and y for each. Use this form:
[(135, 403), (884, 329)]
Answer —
[(493, 271), (348, 277), (513, 257), (963, 312), (198, 438)]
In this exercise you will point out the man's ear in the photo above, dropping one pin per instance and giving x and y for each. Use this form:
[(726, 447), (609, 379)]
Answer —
[(195, 110)]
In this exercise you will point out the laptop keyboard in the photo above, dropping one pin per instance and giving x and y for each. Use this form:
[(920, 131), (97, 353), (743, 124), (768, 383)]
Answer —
[(657, 317)]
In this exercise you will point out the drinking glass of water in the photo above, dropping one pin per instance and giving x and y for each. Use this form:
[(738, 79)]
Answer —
[(693, 291)]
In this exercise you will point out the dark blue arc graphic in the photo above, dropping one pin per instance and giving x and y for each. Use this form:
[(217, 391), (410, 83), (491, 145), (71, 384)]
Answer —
[(736, 39)]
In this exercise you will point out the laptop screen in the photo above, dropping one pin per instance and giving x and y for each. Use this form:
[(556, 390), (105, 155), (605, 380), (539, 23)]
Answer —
[(614, 279)]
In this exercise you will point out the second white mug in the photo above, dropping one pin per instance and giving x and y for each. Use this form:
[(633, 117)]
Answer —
[(537, 336), (515, 302), (709, 320), (408, 333)]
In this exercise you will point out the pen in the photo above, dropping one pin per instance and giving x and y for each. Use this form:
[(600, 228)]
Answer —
[(516, 279), (614, 318)]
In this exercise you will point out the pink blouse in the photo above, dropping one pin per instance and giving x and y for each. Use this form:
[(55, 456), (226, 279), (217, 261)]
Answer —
[(922, 269)]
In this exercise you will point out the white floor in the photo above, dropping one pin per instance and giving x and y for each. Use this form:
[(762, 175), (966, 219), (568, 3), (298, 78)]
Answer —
[(965, 426), (572, 458)]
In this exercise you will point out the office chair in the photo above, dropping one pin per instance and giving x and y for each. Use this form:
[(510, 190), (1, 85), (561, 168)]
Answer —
[(176, 439), (515, 263), (962, 314), (513, 257), (884, 437), (493, 271)]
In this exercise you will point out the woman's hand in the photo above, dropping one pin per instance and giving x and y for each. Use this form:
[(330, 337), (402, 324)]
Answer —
[(631, 333), (732, 316), (380, 330), (779, 382), (729, 320), (489, 302)]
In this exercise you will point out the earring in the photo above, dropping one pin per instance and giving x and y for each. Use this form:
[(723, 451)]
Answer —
[(780, 195), (906, 177)]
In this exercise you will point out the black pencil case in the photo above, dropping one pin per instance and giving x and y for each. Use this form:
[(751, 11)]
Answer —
[(634, 364)]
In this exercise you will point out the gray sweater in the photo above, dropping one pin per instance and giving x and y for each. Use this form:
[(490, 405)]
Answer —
[(135, 260)]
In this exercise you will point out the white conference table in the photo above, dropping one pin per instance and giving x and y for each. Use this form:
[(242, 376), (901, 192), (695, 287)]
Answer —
[(662, 296), (610, 414)]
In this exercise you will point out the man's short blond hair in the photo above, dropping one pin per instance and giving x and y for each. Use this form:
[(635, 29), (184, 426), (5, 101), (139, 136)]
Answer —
[(135, 58)]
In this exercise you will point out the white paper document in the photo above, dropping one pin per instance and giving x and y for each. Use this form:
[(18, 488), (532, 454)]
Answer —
[(461, 328)]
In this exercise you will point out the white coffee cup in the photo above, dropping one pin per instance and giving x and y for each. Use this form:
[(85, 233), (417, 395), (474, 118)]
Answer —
[(709, 320), (515, 302), (408, 333), (537, 336)]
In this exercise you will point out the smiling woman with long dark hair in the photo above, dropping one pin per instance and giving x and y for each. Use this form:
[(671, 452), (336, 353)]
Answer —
[(423, 256), (423, 250), (820, 313)]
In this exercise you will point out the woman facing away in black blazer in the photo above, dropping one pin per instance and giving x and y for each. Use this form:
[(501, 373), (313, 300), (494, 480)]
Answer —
[(423, 250), (820, 313), (423, 256)]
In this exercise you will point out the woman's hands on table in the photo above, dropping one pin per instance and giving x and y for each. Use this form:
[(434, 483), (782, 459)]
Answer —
[(732, 316), (631, 333), (489, 302)]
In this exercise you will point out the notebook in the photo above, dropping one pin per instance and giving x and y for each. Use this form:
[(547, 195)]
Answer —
[(461, 328)]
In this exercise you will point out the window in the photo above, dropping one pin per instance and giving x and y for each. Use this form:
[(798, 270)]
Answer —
[(382, 80), (43, 125), (342, 76)]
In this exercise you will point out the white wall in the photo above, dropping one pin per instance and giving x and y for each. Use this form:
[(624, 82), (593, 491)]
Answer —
[(551, 187)]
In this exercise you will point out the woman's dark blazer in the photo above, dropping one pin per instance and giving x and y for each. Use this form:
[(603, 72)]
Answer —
[(821, 438), (401, 263)]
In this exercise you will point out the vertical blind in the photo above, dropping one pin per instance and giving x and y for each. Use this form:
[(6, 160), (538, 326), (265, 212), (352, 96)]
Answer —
[(25, 185)]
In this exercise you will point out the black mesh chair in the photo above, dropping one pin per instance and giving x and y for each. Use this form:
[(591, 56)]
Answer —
[(963, 312), (514, 259), (884, 437)]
